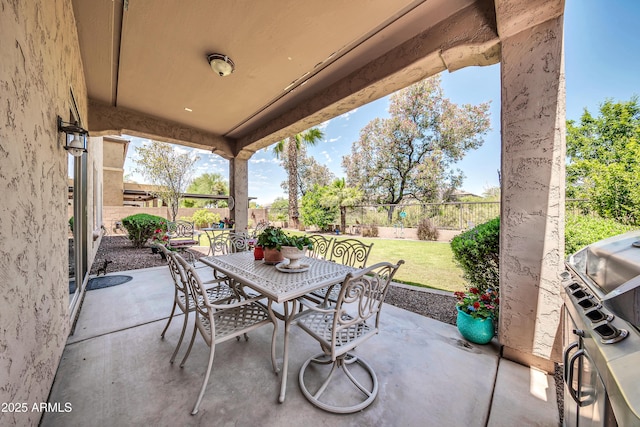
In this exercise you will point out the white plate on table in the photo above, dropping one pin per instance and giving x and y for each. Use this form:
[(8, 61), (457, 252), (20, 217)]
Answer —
[(284, 267)]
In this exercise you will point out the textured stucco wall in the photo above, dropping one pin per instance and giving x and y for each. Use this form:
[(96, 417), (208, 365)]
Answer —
[(40, 63), (532, 227)]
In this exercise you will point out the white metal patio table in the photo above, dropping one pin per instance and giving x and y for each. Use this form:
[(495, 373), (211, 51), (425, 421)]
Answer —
[(279, 287)]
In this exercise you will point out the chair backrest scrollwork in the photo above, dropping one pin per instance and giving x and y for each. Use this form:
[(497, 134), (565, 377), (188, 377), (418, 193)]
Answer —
[(180, 229), (351, 252), (321, 246)]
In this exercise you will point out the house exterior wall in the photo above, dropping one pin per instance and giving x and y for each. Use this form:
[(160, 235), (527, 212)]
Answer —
[(40, 64)]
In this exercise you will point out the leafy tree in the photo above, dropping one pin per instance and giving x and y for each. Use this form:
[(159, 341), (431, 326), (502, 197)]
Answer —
[(278, 210), (207, 183), (310, 172), (340, 196), (167, 169), (315, 211), (603, 155), (411, 153), (292, 145), (491, 193)]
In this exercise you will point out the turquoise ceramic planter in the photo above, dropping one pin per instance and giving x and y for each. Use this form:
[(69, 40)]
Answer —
[(478, 331)]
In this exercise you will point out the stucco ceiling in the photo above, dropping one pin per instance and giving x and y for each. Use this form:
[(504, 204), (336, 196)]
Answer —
[(298, 63)]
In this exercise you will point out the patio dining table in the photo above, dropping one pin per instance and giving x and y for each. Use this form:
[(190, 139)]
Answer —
[(279, 287)]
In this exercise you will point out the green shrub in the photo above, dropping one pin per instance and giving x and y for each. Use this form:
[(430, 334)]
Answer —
[(204, 218), (427, 230), (581, 231), (477, 251), (141, 227), (71, 224)]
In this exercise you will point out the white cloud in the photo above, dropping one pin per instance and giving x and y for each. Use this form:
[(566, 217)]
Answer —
[(347, 114), (327, 157), (335, 139), (254, 160)]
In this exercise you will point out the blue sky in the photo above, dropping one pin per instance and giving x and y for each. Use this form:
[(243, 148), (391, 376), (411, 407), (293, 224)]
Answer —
[(602, 60)]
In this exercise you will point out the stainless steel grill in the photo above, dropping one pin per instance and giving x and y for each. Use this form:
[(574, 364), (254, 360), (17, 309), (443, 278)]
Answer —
[(601, 293)]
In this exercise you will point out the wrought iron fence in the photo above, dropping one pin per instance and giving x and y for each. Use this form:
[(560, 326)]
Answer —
[(452, 216), (448, 216)]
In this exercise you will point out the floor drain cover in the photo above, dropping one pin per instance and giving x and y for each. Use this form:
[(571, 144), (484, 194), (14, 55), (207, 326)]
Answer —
[(106, 281)]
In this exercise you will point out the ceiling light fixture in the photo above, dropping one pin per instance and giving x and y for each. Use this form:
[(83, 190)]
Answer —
[(77, 145), (221, 64)]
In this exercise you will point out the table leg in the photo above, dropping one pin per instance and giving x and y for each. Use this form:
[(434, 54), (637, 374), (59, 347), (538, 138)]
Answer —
[(290, 310)]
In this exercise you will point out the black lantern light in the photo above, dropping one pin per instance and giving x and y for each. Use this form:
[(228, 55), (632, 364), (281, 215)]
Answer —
[(75, 137)]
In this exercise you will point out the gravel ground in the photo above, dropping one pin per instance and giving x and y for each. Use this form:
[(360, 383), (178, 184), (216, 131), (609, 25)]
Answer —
[(439, 306)]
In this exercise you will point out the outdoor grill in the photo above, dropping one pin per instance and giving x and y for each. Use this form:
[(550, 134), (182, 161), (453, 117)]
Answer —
[(601, 293)]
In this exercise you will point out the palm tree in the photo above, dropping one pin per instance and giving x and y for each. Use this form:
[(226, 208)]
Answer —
[(291, 145), (344, 197)]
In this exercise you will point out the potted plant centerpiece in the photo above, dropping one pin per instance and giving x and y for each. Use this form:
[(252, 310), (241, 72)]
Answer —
[(271, 240), (294, 247), (275, 243)]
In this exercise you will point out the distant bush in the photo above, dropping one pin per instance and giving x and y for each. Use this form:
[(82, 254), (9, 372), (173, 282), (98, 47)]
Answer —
[(581, 231), (477, 251), (71, 224), (427, 230), (369, 231), (204, 218), (141, 227)]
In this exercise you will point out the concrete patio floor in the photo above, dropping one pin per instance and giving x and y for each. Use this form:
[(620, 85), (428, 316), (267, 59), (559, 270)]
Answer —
[(115, 371)]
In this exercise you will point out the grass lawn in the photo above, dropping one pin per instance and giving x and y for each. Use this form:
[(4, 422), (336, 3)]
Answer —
[(427, 264)]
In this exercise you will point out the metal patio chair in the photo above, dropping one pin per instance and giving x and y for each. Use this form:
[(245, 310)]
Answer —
[(217, 291), (182, 236), (351, 252), (339, 329), (217, 323), (239, 241), (321, 246)]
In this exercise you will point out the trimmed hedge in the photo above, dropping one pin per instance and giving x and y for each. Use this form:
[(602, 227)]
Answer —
[(477, 251), (141, 227)]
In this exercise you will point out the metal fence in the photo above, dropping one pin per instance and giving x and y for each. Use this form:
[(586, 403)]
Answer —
[(446, 216)]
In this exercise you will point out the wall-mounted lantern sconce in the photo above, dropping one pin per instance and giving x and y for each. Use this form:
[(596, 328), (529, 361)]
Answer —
[(75, 137)]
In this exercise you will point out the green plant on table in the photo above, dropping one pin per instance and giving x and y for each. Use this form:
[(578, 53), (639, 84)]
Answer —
[(299, 242), (479, 305), (276, 238), (272, 237)]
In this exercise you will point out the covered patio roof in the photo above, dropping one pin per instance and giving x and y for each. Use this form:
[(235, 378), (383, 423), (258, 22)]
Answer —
[(297, 64)]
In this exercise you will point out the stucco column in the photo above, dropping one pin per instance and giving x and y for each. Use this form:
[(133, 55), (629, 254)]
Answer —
[(239, 189), (533, 182)]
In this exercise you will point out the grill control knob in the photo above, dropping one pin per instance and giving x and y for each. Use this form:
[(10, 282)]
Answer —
[(579, 332)]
